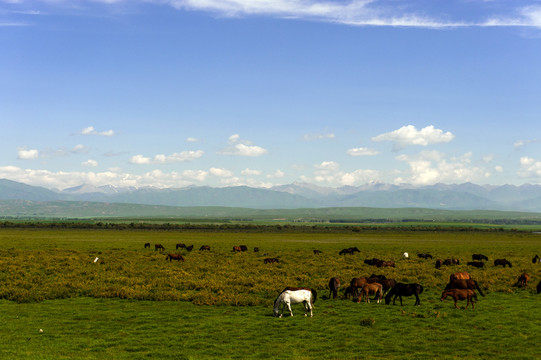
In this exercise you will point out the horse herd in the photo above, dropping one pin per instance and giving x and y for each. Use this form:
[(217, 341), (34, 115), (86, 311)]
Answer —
[(461, 285)]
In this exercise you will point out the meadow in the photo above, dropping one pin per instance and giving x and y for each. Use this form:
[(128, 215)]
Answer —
[(132, 303)]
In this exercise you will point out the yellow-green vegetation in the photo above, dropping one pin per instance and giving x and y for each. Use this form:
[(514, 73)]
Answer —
[(36, 265), (57, 302)]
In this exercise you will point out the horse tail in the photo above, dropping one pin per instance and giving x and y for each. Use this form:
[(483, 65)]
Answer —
[(421, 288), (314, 295), (478, 288)]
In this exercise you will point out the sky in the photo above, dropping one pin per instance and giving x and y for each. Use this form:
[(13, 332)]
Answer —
[(175, 93)]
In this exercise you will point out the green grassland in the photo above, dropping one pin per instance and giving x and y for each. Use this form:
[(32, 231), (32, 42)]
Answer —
[(132, 303)]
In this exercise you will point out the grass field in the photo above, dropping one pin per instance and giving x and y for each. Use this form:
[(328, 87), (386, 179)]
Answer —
[(132, 303)]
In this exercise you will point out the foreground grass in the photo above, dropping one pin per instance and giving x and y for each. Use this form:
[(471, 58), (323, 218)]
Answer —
[(501, 326)]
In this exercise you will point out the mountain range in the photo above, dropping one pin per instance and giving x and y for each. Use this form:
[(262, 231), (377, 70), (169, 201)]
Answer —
[(466, 196)]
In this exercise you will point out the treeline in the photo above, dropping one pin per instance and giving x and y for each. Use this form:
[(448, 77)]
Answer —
[(232, 227)]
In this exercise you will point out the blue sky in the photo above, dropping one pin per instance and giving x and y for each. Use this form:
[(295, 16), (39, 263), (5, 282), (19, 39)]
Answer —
[(172, 93)]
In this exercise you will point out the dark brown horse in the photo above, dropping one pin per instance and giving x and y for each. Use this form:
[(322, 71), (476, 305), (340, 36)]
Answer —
[(425, 256), (204, 248), (270, 260), (387, 284), (402, 289), (477, 264), (243, 248), (535, 259), (147, 245), (159, 247), (371, 262), (383, 263), (189, 248), (439, 263), (181, 246), (460, 294), (334, 285), (350, 251), (523, 279), (317, 252), (479, 257), (172, 257), (502, 262), (451, 262), (464, 284)]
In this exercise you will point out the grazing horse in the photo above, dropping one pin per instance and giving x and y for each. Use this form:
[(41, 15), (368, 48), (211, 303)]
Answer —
[(402, 289), (477, 264), (204, 248), (159, 247), (334, 285), (147, 245), (189, 248), (270, 260), (317, 252), (535, 259), (172, 257), (383, 263), (460, 294), (464, 284), (479, 257), (181, 246), (350, 251), (387, 284), (371, 288), (256, 249), (357, 283), (236, 248), (439, 263), (459, 275), (295, 296), (371, 262), (425, 256), (243, 248), (502, 262), (451, 262), (523, 279)]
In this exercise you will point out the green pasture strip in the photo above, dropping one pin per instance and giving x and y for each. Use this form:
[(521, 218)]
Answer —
[(502, 326)]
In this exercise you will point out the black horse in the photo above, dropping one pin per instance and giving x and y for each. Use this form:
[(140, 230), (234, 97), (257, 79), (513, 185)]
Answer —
[(477, 264), (479, 257), (402, 289), (425, 256), (502, 262), (535, 259), (350, 251)]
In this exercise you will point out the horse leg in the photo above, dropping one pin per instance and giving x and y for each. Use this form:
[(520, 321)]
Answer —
[(417, 300), (289, 308)]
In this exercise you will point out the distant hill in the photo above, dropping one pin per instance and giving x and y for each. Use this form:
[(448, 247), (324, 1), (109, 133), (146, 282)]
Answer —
[(465, 196)]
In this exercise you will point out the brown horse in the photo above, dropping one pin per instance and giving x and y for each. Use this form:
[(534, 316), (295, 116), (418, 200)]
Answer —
[(317, 252), (402, 289), (523, 279), (334, 285), (535, 259), (383, 263), (387, 284), (373, 288), (181, 246), (479, 257), (204, 248), (464, 284), (158, 247), (460, 294), (357, 283), (451, 262), (270, 260), (459, 275), (237, 249), (176, 257), (147, 245)]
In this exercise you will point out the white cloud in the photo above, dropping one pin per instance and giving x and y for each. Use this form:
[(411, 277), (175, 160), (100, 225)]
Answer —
[(167, 159), (362, 151), (251, 172), (238, 147), (430, 167), (276, 174), (312, 137), (192, 140), (90, 163), (521, 143), (27, 154), (80, 149), (91, 131), (529, 168), (327, 166), (220, 172), (409, 135)]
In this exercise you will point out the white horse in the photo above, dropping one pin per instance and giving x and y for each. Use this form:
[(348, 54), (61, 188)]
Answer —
[(295, 296)]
